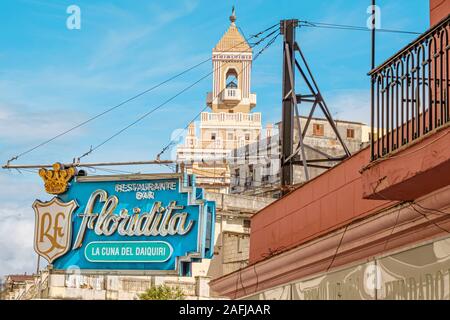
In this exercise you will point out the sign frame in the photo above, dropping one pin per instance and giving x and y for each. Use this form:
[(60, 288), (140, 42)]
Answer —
[(185, 184)]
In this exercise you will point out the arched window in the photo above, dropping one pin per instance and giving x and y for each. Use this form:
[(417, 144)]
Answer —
[(231, 79)]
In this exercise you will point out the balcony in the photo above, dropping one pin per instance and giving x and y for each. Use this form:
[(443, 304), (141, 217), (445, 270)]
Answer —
[(410, 93), (231, 99), (252, 120), (231, 95), (410, 126)]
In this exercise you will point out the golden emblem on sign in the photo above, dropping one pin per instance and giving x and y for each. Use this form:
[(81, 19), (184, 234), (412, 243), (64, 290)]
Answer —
[(53, 227), (57, 180)]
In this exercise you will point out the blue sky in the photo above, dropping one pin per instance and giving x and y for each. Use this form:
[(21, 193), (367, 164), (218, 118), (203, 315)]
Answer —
[(52, 78)]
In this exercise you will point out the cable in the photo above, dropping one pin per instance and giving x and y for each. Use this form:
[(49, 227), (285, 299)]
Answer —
[(338, 247), (179, 134), (142, 117), (393, 228), (110, 170), (426, 217), (303, 23), (92, 149), (431, 209), (411, 205), (124, 102), (269, 43), (240, 277), (107, 111)]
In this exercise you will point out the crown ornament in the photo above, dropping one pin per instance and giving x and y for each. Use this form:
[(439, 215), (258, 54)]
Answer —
[(56, 181)]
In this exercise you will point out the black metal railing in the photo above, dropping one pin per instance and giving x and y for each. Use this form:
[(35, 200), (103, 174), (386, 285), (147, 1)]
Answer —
[(409, 95)]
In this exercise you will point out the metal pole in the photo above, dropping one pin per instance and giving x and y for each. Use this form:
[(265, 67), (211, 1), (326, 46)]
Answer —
[(93, 164), (372, 83), (287, 121), (373, 33)]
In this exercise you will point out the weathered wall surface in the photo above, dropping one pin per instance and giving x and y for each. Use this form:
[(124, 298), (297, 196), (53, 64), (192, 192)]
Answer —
[(319, 206), (439, 9)]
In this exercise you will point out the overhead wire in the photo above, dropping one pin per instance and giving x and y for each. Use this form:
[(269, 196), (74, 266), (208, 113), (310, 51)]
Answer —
[(304, 23), (412, 205), (92, 149), (269, 43), (338, 247), (426, 217), (45, 142)]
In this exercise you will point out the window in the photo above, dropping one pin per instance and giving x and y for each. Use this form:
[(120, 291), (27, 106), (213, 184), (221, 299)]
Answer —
[(247, 136), (246, 223), (350, 133), (318, 129), (251, 170), (230, 136), (231, 79), (240, 248), (213, 136)]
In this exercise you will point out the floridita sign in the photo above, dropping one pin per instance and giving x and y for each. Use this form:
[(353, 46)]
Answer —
[(127, 222)]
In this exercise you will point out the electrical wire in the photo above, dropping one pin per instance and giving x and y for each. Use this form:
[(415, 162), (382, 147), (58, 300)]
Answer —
[(269, 43), (412, 205), (108, 170), (303, 23), (92, 149), (338, 247), (393, 227), (431, 209), (426, 217), (123, 102), (240, 276)]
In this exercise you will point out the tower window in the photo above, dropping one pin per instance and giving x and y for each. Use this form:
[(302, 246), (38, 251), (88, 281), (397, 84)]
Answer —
[(213, 136), (231, 79)]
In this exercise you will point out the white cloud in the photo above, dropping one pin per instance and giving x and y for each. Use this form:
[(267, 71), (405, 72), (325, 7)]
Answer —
[(17, 221), (16, 240)]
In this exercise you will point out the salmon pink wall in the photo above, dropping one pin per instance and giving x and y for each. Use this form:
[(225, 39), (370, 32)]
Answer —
[(439, 9), (319, 206)]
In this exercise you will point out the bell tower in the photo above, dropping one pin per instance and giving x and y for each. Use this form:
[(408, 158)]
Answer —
[(232, 62), (230, 124)]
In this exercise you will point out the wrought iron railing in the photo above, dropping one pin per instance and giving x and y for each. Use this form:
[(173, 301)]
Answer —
[(410, 92)]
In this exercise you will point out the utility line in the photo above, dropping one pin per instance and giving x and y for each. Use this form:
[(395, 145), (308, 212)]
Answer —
[(92, 149), (173, 141), (124, 102), (303, 23)]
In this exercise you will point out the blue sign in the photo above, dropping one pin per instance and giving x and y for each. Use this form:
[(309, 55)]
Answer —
[(139, 222)]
